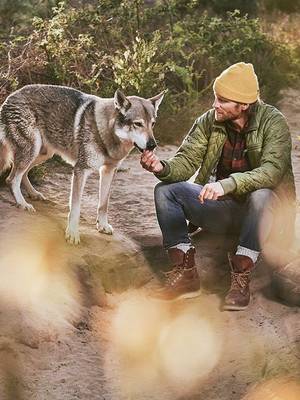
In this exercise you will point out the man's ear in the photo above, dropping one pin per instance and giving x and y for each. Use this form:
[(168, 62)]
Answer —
[(121, 102), (156, 100), (245, 107)]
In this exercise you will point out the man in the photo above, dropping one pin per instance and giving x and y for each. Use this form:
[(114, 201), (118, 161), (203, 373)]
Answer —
[(247, 145)]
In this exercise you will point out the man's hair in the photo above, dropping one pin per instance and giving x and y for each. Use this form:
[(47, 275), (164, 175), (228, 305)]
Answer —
[(251, 109)]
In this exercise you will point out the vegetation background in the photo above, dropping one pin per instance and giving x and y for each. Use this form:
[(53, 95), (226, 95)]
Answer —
[(145, 46)]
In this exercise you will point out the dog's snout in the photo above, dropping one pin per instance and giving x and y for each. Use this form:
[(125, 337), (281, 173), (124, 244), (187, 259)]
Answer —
[(151, 144)]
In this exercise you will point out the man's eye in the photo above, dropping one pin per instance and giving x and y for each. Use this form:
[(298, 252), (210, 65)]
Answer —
[(138, 124)]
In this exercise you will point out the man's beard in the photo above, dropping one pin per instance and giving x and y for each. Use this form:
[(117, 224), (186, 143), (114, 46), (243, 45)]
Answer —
[(221, 117)]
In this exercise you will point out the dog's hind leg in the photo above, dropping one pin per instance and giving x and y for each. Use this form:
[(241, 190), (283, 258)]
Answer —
[(23, 158), (14, 182), (78, 182), (31, 191), (106, 176)]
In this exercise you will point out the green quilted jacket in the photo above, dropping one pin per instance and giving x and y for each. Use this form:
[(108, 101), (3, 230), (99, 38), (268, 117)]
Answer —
[(268, 147)]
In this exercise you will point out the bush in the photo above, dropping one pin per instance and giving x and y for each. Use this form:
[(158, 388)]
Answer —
[(100, 46)]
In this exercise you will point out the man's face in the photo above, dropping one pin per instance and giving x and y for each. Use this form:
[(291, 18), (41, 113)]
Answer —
[(227, 110)]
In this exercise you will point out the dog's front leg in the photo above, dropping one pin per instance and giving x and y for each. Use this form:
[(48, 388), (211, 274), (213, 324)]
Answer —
[(78, 181), (106, 176)]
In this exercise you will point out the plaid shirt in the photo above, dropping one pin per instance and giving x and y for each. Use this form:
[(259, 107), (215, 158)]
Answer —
[(233, 158)]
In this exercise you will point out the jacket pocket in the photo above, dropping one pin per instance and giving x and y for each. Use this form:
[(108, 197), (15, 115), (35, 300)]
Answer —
[(254, 154)]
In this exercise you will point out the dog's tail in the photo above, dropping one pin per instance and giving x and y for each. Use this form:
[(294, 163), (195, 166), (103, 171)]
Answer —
[(6, 157)]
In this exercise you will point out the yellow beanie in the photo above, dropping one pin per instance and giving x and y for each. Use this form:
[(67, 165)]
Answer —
[(238, 83)]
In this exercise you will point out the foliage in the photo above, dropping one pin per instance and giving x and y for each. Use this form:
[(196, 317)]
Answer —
[(100, 45), (288, 6), (136, 68), (245, 7), (17, 13)]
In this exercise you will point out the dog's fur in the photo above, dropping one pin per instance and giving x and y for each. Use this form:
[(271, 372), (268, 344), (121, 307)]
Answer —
[(89, 132)]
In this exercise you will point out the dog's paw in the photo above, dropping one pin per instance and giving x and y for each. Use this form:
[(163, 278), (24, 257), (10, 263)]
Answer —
[(105, 228), (72, 236), (27, 207)]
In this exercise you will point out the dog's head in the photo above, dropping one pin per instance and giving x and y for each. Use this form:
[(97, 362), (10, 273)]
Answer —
[(136, 117)]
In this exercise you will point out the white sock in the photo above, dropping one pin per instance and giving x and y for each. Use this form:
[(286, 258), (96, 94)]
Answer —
[(182, 246), (244, 251)]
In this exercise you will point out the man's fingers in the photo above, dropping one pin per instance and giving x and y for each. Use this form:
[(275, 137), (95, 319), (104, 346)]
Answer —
[(208, 193), (216, 195), (154, 163), (146, 159), (202, 194), (149, 160)]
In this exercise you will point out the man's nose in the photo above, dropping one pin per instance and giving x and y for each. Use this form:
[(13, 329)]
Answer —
[(216, 103), (151, 144)]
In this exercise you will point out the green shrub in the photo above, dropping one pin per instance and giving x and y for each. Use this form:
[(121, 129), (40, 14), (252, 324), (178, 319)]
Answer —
[(136, 68), (100, 46)]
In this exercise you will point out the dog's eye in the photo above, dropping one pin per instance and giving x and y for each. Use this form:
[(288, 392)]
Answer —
[(138, 124)]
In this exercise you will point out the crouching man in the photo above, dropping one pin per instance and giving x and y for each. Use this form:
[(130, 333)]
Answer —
[(246, 144)]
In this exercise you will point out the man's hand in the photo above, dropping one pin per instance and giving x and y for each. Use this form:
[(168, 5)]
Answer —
[(150, 161), (211, 191)]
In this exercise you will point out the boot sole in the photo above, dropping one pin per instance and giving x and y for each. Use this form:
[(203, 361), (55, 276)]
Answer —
[(190, 295), (234, 308), (184, 296)]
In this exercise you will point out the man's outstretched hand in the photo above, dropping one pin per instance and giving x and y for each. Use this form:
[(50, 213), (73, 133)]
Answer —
[(151, 162), (211, 191)]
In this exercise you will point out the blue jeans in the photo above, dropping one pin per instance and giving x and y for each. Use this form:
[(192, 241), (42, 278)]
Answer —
[(177, 202)]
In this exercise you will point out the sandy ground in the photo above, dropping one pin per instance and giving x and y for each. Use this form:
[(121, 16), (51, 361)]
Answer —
[(75, 325)]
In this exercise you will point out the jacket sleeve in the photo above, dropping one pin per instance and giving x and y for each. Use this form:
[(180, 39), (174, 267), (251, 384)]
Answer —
[(275, 159), (190, 154)]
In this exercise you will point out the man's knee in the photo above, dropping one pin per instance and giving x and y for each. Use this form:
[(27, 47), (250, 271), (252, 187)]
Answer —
[(160, 191), (163, 190), (261, 198)]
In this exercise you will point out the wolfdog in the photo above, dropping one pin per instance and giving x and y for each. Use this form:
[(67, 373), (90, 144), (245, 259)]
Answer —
[(89, 132)]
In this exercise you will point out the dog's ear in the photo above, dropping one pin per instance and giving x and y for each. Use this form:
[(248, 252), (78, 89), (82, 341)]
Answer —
[(122, 104), (156, 100)]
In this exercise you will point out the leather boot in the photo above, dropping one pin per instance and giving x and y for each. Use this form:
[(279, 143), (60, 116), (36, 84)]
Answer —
[(238, 297), (182, 281)]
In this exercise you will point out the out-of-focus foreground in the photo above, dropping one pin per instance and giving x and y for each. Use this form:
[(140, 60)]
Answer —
[(76, 324)]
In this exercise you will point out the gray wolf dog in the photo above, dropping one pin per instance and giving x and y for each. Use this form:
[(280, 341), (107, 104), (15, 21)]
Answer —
[(89, 132)]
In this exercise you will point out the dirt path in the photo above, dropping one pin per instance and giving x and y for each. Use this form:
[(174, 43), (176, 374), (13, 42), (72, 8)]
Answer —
[(124, 346)]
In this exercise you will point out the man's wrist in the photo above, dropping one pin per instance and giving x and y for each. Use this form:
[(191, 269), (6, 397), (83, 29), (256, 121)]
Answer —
[(228, 185), (164, 171)]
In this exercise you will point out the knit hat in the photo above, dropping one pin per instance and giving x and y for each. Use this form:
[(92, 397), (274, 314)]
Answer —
[(238, 83)]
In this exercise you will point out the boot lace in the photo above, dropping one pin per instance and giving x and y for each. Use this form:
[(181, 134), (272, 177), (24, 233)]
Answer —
[(239, 280), (173, 276)]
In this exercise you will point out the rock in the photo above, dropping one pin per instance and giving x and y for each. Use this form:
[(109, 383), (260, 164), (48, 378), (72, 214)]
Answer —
[(286, 282)]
